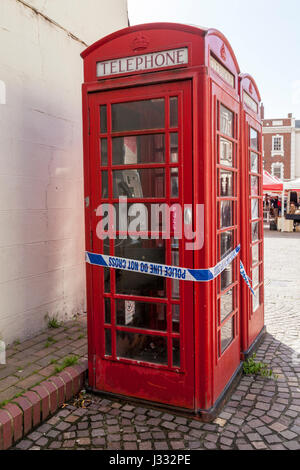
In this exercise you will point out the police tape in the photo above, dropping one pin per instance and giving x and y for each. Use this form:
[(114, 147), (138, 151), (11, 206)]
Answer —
[(162, 270), (246, 277)]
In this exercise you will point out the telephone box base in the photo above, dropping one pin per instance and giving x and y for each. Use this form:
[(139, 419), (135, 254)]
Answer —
[(255, 345), (206, 416)]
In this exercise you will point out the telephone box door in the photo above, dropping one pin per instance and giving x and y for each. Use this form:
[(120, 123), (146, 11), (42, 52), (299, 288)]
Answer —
[(226, 116), (141, 151)]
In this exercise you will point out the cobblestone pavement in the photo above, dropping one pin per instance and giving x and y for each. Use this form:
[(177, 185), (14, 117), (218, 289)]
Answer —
[(32, 361), (261, 414)]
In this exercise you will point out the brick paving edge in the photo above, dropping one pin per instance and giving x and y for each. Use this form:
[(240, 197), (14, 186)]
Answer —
[(23, 414)]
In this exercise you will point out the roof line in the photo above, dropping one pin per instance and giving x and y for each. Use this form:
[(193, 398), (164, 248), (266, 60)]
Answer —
[(47, 18)]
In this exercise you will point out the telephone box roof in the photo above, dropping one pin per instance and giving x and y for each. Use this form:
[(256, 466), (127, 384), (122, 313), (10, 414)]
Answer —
[(200, 31)]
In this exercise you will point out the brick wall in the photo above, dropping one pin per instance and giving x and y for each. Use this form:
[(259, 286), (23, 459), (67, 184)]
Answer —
[(286, 159)]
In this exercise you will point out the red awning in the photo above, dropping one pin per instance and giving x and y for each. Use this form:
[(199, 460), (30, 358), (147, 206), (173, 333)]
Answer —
[(272, 183)]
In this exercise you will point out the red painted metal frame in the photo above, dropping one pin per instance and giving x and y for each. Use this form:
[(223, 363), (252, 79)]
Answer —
[(211, 372), (252, 323)]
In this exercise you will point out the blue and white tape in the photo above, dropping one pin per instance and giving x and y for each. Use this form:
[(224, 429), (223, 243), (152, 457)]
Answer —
[(246, 277), (162, 270)]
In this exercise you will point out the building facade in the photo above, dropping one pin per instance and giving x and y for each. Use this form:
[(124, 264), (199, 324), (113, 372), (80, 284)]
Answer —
[(42, 266), (281, 147), (297, 132)]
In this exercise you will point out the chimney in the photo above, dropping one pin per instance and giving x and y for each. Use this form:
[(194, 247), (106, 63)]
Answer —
[(262, 111), (290, 115)]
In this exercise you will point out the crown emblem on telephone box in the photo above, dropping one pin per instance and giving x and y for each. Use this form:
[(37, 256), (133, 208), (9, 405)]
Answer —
[(223, 52), (139, 43)]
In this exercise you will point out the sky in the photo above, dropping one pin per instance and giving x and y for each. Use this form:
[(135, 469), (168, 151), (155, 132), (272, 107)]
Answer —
[(264, 34)]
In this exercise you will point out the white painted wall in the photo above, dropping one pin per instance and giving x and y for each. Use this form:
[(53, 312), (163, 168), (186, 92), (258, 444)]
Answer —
[(41, 176)]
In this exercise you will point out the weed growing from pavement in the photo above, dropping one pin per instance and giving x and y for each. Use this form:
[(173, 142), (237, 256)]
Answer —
[(50, 341), (5, 402), (68, 361), (53, 322), (252, 367)]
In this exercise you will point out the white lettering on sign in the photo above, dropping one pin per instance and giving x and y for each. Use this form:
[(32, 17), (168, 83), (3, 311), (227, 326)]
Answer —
[(222, 71), (156, 60), (250, 102)]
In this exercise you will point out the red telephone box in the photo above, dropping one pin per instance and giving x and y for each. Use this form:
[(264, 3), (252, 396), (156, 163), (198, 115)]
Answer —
[(252, 247), (161, 125)]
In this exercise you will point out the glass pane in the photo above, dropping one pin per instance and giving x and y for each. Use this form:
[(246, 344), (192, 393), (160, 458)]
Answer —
[(254, 208), (149, 215), (107, 315), (131, 283), (254, 162), (255, 276), (227, 334), (226, 183), (107, 342), (174, 112), (226, 157), (138, 115), (138, 149), (174, 147), (106, 280), (175, 251), (226, 121), (253, 139), (104, 182), (175, 244), (175, 288), (141, 315), (176, 352), (140, 347), (226, 305), (142, 183), (103, 119), (226, 214), (176, 318), (174, 182), (255, 254), (255, 231), (254, 185), (256, 300), (104, 157), (226, 277), (226, 243)]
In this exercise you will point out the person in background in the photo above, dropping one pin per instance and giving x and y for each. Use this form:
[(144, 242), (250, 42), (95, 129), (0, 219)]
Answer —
[(279, 207), (292, 208), (275, 207), (267, 201)]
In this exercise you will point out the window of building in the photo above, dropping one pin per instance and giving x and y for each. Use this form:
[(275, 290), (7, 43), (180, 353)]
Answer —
[(277, 145), (278, 170)]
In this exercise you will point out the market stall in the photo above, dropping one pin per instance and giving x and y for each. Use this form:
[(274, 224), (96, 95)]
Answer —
[(292, 190), (281, 203), (272, 188)]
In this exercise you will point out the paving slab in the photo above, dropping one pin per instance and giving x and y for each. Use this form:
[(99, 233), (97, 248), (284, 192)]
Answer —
[(32, 361)]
